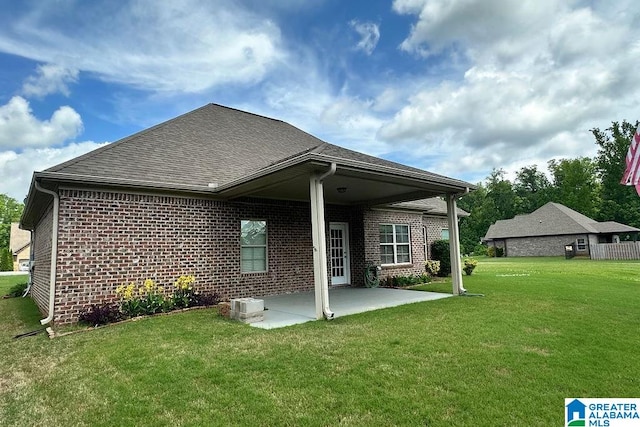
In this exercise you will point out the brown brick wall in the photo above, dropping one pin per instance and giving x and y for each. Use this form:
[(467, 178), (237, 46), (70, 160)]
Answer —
[(108, 238), (372, 221), (42, 255)]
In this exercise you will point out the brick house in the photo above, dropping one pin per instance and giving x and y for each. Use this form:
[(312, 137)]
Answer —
[(547, 230), (20, 247), (251, 206)]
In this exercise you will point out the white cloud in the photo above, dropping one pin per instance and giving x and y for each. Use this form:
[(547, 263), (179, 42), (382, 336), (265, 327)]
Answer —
[(177, 46), (50, 79), (369, 35), (16, 168), (540, 74), (19, 128)]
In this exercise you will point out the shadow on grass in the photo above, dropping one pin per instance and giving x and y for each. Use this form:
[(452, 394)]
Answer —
[(19, 315)]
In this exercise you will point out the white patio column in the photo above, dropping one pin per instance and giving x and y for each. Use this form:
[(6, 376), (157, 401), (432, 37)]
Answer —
[(320, 274), (454, 245)]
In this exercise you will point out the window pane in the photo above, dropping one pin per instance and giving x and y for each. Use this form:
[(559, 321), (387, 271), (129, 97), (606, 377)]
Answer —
[(253, 233), (253, 259), (403, 253), (445, 234), (386, 233), (402, 234), (386, 254)]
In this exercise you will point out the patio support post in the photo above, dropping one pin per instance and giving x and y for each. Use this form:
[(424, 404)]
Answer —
[(454, 245), (320, 274)]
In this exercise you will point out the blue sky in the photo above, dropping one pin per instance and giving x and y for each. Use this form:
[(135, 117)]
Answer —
[(456, 87)]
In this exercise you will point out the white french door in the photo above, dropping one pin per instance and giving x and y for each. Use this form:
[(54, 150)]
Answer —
[(339, 253)]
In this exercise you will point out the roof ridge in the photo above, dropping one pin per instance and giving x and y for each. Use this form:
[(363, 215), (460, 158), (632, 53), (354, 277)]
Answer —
[(240, 111)]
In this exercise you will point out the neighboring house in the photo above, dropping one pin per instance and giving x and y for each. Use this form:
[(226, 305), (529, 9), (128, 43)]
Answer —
[(547, 230), (20, 247), (249, 205)]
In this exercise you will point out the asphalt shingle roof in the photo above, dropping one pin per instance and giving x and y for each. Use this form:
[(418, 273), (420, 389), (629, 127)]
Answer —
[(213, 144), (552, 219), (432, 205)]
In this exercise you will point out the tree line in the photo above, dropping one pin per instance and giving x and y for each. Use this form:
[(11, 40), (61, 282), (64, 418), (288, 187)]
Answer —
[(590, 186)]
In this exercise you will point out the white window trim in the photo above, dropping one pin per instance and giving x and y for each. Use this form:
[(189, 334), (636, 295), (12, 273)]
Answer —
[(583, 244), (265, 246), (394, 244)]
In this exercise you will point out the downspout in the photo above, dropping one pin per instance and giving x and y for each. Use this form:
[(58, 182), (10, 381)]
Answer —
[(54, 251), (321, 280), (328, 314)]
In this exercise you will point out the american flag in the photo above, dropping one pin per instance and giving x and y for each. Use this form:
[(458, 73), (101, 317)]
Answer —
[(632, 172)]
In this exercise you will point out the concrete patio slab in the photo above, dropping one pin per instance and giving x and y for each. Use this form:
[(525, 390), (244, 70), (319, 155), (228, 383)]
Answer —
[(293, 309)]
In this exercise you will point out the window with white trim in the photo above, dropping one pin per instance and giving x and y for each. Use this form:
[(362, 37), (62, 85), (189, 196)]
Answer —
[(253, 246), (395, 245), (582, 245), (444, 234)]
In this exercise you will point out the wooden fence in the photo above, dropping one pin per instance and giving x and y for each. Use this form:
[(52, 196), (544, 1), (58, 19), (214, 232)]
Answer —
[(622, 250)]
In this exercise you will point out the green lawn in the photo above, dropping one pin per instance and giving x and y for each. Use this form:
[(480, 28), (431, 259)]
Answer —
[(546, 329)]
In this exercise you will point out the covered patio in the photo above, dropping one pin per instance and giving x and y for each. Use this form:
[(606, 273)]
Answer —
[(296, 308)]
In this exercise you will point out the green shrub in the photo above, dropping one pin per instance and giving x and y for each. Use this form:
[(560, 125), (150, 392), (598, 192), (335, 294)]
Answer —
[(469, 265), (480, 249), (17, 290), (404, 281), (432, 267), (491, 251), (440, 252), (499, 252)]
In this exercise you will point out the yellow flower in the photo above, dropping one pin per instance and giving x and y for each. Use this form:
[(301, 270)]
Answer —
[(128, 291), (149, 285), (119, 290), (185, 282)]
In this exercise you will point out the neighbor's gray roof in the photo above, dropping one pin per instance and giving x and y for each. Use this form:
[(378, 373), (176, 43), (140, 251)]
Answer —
[(550, 220), (210, 145), (430, 206)]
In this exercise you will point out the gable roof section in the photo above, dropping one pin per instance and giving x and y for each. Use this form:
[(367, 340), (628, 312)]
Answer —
[(430, 206), (212, 144), (550, 220)]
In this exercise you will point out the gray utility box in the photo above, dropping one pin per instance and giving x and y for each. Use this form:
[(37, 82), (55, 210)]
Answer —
[(247, 310)]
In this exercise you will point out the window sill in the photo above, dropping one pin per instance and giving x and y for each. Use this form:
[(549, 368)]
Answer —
[(392, 266)]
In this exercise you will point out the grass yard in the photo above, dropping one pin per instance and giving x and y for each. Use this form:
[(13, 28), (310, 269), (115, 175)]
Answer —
[(547, 329)]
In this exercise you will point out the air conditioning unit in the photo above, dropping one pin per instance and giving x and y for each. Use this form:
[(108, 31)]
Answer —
[(247, 310)]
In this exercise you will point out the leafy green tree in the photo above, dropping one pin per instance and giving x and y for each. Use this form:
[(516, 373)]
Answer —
[(576, 185), (475, 226), (502, 201), (10, 211), (6, 260), (619, 202), (532, 188)]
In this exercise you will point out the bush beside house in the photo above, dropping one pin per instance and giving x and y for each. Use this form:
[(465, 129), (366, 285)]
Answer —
[(440, 252)]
